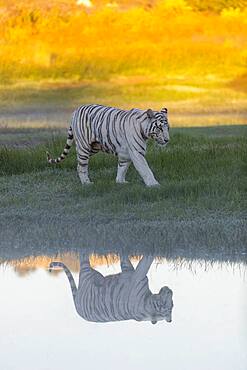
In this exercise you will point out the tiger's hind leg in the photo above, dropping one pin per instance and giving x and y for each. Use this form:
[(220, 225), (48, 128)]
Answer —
[(82, 166), (88, 273), (83, 156), (84, 262), (82, 170)]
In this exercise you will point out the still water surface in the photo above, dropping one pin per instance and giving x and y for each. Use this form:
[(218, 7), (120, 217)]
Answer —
[(43, 329)]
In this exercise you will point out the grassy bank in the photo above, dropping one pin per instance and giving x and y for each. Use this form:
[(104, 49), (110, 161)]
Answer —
[(200, 206)]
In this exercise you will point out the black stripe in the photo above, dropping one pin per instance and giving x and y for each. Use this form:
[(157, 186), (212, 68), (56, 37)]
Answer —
[(139, 145)]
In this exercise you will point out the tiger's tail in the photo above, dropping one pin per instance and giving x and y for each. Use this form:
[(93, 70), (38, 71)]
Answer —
[(68, 273), (69, 142)]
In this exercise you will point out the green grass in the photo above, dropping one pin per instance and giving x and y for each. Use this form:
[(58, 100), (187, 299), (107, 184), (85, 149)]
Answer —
[(199, 208)]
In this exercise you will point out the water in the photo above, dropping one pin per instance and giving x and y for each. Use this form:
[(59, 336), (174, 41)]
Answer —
[(41, 329)]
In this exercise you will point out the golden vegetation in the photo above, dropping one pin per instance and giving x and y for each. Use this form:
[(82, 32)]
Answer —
[(188, 54), (60, 39), (31, 264)]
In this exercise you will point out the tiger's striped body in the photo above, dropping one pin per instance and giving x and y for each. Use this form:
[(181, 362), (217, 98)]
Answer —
[(118, 297), (123, 133)]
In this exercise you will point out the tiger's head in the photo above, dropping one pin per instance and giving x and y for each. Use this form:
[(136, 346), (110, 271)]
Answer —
[(158, 126), (160, 305)]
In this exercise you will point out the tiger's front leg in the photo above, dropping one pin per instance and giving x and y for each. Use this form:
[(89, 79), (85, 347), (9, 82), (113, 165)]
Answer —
[(142, 167)]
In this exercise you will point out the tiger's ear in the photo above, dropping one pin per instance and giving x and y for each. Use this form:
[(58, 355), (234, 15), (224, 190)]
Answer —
[(164, 110), (150, 113)]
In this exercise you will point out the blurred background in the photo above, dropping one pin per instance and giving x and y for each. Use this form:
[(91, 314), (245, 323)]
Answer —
[(187, 55)]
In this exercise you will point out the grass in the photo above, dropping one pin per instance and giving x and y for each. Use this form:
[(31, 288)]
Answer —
[(190, 101), (199, 209)]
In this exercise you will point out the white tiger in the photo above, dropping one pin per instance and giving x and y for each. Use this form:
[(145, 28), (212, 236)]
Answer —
[(122, 296), (121, 132)]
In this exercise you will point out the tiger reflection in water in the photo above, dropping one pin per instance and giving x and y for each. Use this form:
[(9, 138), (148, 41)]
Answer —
[(118, 297)]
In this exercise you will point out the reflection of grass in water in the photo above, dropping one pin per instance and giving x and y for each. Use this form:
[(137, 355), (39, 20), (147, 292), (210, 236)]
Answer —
[(30, 264), (201, 201)]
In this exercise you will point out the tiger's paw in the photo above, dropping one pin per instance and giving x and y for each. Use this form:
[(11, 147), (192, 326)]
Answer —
[(85, 180), (153, 184), (87, 183)]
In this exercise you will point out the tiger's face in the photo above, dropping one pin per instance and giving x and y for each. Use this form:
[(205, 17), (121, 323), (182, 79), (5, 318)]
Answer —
[(159, 126), (162, 305)]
